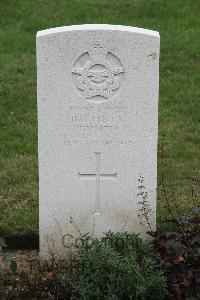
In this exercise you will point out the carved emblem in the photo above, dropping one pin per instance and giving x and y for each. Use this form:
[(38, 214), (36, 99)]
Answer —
[(98, 74)]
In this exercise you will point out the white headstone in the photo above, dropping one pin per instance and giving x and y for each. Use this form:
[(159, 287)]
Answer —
[(98, 127)]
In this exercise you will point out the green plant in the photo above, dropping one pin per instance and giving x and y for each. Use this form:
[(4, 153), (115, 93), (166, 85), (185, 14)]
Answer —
[(7, 258), (119, 266)]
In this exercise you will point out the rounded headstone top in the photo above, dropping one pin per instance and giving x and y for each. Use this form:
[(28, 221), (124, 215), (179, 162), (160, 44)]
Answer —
[(98, 27)]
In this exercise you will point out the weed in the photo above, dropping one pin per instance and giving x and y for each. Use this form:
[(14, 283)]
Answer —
[(7, 258)]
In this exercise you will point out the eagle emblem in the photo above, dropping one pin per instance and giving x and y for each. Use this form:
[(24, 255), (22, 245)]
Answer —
[(98, 74)]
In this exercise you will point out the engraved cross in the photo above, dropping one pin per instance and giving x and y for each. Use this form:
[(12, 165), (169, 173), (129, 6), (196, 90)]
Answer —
[(98, 176)]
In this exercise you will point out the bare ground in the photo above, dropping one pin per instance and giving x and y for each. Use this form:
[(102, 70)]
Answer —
[(27, 260)]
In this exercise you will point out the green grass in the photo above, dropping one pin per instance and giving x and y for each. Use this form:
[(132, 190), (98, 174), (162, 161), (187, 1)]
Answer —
[(178, 24)]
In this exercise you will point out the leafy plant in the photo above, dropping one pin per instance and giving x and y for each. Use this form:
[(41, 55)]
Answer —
[(7, 258), (180, 250), (180, 254), (119, 266)]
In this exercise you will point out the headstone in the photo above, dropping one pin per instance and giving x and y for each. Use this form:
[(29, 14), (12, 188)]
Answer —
[(98, 127)]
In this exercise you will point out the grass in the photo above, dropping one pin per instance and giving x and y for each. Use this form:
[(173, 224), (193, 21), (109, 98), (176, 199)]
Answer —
[(178, 24)]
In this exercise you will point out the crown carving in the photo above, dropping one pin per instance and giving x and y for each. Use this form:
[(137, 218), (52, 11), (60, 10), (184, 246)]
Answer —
[(97, 52)]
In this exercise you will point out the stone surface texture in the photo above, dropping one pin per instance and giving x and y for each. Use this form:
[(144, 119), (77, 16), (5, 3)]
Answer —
[(97, 91)]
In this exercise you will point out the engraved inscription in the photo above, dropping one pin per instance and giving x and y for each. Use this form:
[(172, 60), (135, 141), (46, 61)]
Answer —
[(98, 176), (71, 142), (88, 118), (86, 121), (103, 118), (98, 74)]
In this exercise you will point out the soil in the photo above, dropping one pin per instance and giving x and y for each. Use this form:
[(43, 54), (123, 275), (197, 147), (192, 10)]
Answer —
[(29, 281), (27, 260)]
